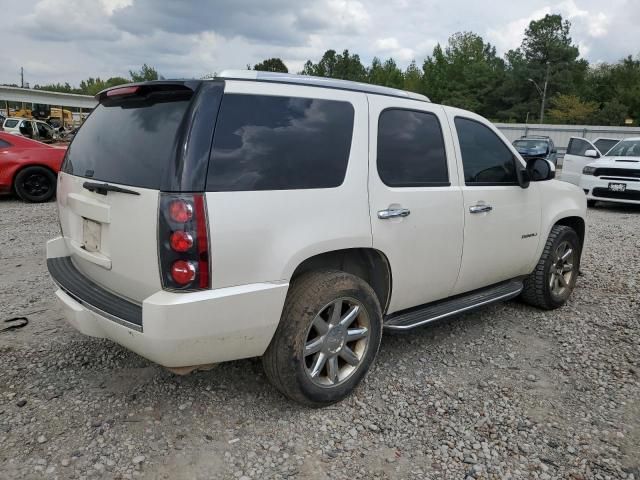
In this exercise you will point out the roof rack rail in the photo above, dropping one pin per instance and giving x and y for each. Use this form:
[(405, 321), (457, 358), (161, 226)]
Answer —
[(308, 80)]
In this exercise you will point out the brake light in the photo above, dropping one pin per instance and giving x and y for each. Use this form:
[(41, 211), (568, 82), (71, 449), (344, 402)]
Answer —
[(183, 242), (116, 92)]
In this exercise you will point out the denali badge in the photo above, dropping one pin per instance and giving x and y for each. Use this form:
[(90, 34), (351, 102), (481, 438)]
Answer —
[(529, 235)]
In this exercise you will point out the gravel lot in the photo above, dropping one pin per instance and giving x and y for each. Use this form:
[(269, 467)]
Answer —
[(505, 392)]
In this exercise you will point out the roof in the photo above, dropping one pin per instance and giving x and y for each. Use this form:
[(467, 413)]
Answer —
[(319, 82), (29, 95)]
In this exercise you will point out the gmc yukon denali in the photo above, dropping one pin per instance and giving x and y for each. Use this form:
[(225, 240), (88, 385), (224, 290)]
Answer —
[(295, 219)]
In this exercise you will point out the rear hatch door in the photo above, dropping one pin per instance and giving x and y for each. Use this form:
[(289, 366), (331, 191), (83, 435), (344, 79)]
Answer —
[(108, 190)]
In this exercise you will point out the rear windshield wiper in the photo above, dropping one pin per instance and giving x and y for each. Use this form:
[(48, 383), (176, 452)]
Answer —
[(103, 188)]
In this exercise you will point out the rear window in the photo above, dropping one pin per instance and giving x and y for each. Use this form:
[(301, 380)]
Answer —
[(131, 143), (280, 143), (10, 123)]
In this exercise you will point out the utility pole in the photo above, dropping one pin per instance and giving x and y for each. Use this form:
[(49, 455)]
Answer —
[(544, 93), (21, 77)]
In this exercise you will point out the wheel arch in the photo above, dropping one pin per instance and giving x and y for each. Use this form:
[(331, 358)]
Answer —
[(367, 263), (577, 224)]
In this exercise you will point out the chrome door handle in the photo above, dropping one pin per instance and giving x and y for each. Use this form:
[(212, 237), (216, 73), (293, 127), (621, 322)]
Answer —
[(480, 208), (393, 212)]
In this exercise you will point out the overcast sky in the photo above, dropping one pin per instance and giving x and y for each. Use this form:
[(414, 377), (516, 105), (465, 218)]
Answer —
[(70, 40)]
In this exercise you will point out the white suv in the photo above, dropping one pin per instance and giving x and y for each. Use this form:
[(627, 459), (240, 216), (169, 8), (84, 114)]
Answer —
[(295, 218)]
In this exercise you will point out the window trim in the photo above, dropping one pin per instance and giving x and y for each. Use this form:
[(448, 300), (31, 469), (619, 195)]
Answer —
[(447, 183), (515, 161)]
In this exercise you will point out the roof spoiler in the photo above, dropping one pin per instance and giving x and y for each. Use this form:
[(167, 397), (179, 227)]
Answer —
[(142, 88)]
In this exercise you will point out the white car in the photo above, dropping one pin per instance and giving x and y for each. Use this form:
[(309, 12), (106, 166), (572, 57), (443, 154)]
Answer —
[(580, 152), (295, 218), (21, 126), (616, 177)]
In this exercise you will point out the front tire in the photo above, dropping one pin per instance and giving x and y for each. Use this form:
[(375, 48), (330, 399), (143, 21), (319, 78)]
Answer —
[(35, 184), (554, 278), (327, 339)]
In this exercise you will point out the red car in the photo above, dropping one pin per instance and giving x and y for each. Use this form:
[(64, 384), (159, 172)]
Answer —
[(29, 167)]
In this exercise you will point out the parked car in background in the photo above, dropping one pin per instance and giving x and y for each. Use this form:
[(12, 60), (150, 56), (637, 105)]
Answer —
[(533, 146), (22, 126), (616, 176), (580, 152), (28, 167), (46, 133), (295, 218)]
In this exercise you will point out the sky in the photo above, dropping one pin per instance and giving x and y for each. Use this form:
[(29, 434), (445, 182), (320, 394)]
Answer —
[(71, 40)]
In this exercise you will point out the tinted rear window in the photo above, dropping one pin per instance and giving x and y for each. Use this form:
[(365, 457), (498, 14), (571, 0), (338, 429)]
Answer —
[(132, 143), (280, 143), (10, 123)]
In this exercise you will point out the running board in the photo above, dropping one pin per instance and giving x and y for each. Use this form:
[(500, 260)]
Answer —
[(431, 312)]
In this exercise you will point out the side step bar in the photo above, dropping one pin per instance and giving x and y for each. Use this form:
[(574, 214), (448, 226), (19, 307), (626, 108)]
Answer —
[(431, 312)]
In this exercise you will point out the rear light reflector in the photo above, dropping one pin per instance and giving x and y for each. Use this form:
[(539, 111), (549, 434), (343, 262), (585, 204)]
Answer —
[(183, 272), (180, 211), (183, 242)]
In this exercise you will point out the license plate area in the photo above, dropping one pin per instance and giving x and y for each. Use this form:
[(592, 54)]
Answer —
[(617, 187), (91, 235)]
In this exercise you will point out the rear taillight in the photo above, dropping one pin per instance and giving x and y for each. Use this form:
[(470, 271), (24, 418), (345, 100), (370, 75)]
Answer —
[(183, 242)]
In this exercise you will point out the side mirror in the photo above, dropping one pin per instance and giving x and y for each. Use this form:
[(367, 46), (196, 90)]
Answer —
[(591, 153), (540, 169)]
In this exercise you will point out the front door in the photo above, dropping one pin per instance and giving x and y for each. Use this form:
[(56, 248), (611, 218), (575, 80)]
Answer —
[(575, 159), (502, 219), (415, 199)]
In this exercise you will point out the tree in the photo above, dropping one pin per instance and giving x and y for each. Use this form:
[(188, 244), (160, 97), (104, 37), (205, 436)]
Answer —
[(571, 110), (413, 78), (345, 66), (145, 74), (91, 86), (271, 65), (386, 74), (465, 74), (546, 42)]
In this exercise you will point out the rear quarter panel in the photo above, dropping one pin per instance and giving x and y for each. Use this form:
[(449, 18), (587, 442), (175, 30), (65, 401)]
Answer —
[(262, 236)]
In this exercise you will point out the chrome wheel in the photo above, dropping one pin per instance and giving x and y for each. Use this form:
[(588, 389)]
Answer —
[(562, 269), (336, 342)]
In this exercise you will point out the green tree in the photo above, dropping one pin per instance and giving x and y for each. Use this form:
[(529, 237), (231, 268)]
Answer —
[(57, 87), (413, 78), (386, 74), (465, 74), (271, 65), (547, 44), (345, 66), (145, 74), (91, 86), (571, 110)]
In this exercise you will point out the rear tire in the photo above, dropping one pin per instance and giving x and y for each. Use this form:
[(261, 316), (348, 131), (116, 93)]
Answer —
[(35, 184), (554, 278), (328, 337)]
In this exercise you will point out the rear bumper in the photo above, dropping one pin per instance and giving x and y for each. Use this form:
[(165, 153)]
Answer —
[(176, 329), (597, 188)]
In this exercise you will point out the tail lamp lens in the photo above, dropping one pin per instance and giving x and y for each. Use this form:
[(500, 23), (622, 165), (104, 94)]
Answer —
[(183, 272), (183, 242), (180, 211)]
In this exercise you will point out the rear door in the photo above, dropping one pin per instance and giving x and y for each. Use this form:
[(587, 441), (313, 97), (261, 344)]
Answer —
[(130, 143), (415, 199), (575, 159)]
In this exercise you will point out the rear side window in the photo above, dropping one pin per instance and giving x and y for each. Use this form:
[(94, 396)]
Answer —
[(10, 123), (411, 149), (131, 143), (280, 143), (577, 146), (485, 158), (4, 144)]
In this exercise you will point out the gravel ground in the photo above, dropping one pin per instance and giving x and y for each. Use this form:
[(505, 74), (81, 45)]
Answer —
[(504, 392)]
